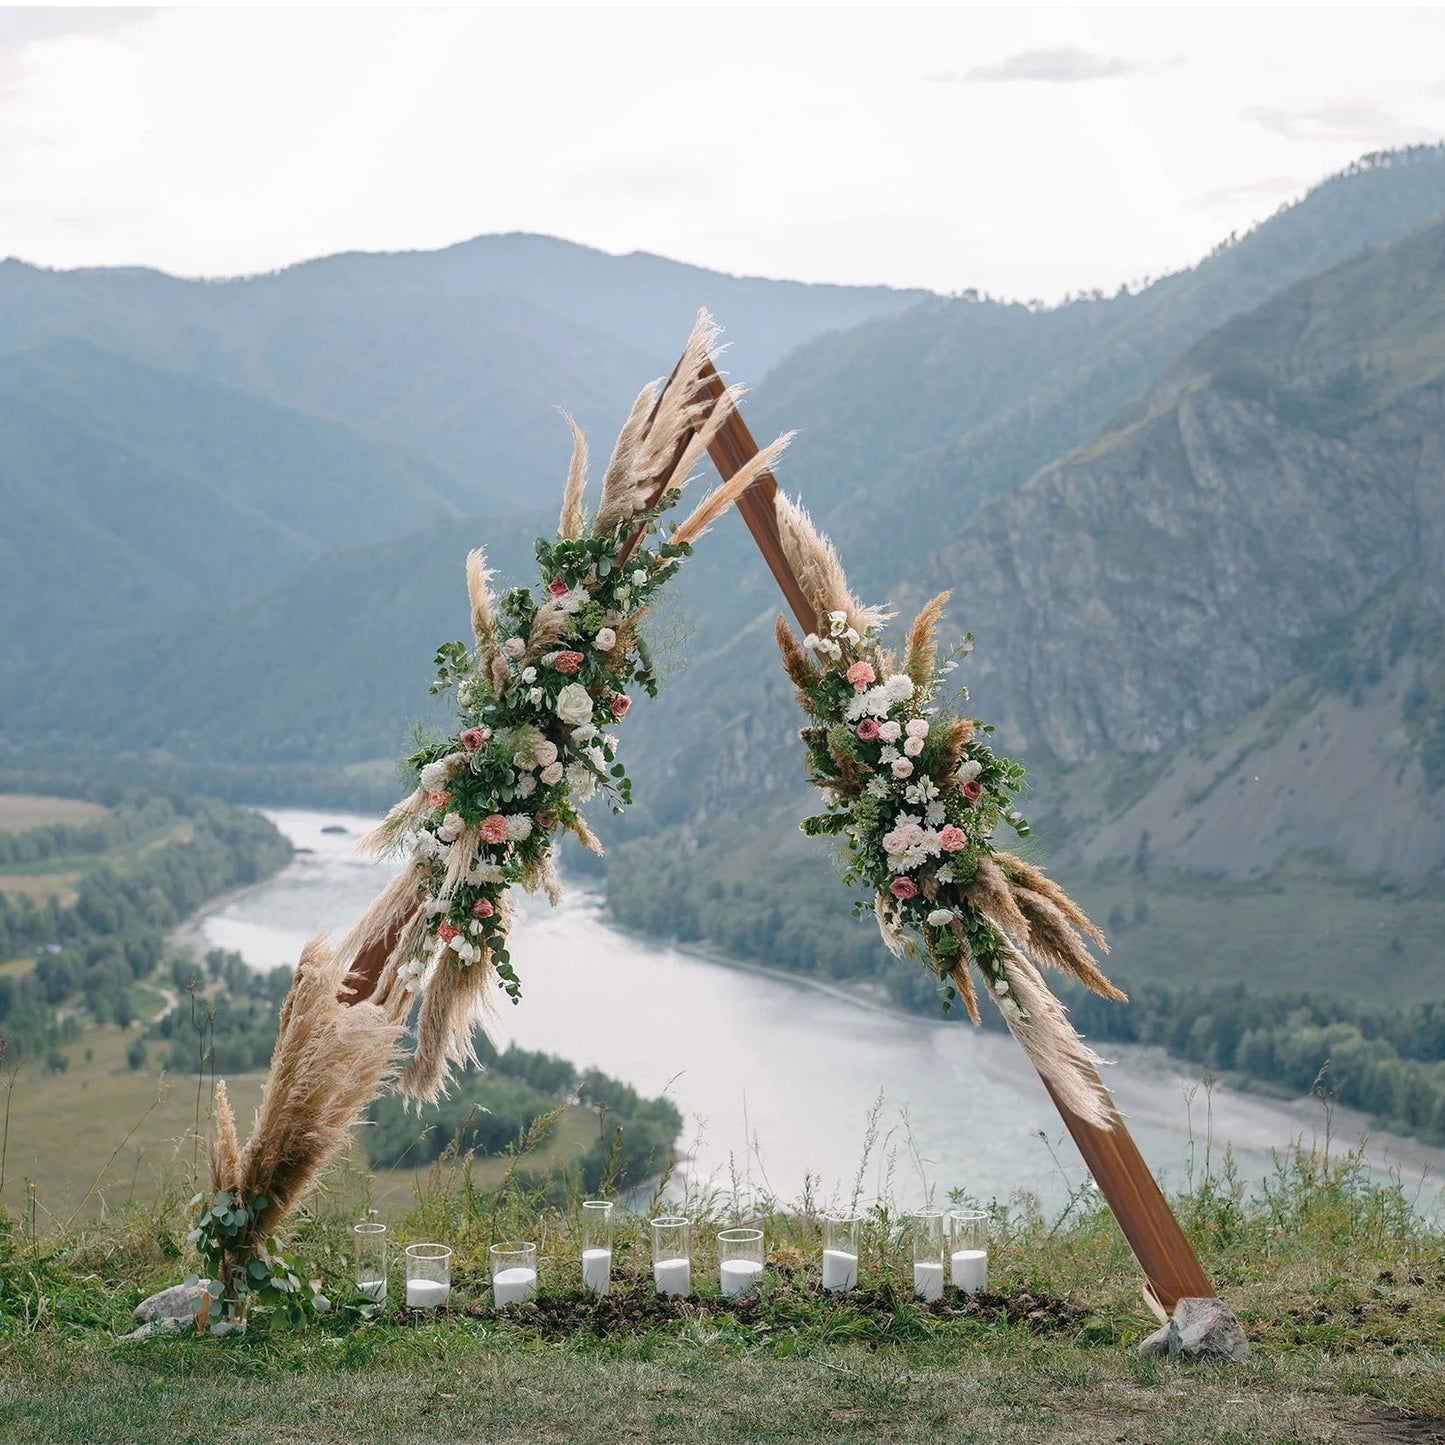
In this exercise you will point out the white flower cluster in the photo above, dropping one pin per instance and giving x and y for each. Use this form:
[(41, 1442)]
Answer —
[(831, 645), (465, 949), (435, 775), (910, 844), (876, 701), (411, 974)]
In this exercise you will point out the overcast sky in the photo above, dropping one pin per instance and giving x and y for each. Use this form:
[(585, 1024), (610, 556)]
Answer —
[(1025, 152)]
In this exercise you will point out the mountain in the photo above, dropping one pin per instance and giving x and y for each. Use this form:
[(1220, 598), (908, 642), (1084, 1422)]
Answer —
[(459, 355), (127, 493)]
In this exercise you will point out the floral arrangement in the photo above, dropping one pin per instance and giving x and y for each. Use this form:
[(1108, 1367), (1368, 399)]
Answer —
[(914, 794), (551, 671)]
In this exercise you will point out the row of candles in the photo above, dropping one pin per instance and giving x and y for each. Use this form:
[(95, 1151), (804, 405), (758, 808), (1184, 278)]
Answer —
[(951, 1246)]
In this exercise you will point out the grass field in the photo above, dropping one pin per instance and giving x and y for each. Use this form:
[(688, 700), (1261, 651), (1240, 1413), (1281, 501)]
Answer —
[(20, 811), (1340, 1290)]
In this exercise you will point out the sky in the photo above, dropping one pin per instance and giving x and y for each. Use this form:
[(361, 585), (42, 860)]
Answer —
[(1029, 153)]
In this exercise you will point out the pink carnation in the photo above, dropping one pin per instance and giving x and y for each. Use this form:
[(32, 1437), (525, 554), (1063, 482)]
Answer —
[(903, 889), (620, 705), (557, 587), (951, 839), (868, 729), (438, 799), (567, 662), (446, 932), (972, 790), (473, 738), (483, 908), (861, 675), (494, 829)]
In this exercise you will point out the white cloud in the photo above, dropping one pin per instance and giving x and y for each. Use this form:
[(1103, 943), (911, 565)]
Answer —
[(1360, 122), (1065, 65)]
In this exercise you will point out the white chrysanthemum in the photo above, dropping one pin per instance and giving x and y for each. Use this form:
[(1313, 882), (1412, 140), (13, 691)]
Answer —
[(889, 754), (484, 873), (574, 600), (944, 874), (519, 827), (434, 775), (968, 771), (876, 788), (526, 785), (940, 918), (936, 811), (582, 781)]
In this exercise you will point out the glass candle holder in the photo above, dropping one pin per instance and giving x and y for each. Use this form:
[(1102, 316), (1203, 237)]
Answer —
[(968, 1249), (840, 1251), (671, 1260), (428, 1276), (597, 1245), (514, 1272), (928, 1254), (740, 1261), (368, 1255)]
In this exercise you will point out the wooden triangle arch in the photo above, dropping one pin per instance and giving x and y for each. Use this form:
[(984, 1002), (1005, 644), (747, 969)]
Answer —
[(1171, 1269)]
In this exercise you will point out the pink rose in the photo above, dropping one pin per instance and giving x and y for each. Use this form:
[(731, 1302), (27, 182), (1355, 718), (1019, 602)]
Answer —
[(567, 662), (545, 752), (972, 790), (903, 889), (473, 738), (868, 729), (494, 829), (951, 839), (890, 732), (438, 799), (483, 908), (557, 587), (552, 773), (902, 768), (620, 705), (446, 932), (546, 819), (912, 746), (860, 675)]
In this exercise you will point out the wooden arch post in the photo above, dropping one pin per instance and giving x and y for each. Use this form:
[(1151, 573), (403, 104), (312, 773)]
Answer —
[(1171, 1268)]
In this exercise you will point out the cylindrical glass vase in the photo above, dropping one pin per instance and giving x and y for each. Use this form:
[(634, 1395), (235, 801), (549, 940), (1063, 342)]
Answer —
[(740, 1261), (514, 1272), (368, 1256), (597, 1245), (840, 1251), (428, 1276), (671, 1258), (928, 1254), (968, 1249)]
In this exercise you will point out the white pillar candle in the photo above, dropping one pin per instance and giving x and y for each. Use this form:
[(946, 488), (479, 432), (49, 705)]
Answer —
[(928, 1281), (840, 1269), (597, 1270), (970, 1269), (373, 1289), (426, 1294), (740, 1276), (513, 1286), (672, 1276)]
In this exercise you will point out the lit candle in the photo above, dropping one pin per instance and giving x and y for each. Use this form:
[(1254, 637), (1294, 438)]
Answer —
[(928, 1281), (426, 1294), (740, 1276), (672, 1276), (840, 1269), (513, 1286), (597, 1270), (970, 1269)]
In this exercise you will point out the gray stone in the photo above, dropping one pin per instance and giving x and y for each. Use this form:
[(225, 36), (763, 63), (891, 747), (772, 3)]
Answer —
[(153, 1327), (1199, 1327), (181, 1302)]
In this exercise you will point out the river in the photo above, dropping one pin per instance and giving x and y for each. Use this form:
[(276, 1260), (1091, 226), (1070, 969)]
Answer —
[(777, 1080)]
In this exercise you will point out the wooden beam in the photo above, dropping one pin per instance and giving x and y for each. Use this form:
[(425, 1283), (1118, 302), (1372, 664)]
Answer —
[(1170, 1265)]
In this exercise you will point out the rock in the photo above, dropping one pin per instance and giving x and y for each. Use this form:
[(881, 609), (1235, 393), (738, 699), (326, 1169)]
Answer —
[(1199, 1327), (181, 1303), (154, 1327)]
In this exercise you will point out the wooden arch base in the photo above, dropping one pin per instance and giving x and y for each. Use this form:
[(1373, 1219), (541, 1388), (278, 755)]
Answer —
[(1171, 1270)]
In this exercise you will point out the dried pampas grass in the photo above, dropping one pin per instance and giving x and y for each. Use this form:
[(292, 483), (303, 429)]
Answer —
[(572, 520), (479, 592), (819, 572)]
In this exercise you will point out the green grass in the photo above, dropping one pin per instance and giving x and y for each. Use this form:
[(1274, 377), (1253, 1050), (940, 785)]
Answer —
[(1339, 1286), (20, 812)]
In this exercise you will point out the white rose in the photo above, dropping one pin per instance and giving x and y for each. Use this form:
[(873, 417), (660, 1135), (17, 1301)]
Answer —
[(552, 773), (917, 728), (529, 674), (890, 732), (902, 768), (940, 917), (639, 577), (534, 697), (913, 746), (606, 640), (514, 647), (574, 706)]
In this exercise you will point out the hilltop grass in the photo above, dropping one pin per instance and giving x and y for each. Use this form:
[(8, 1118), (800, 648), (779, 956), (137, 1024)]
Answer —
[(1340, 1286), (20, 812)]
